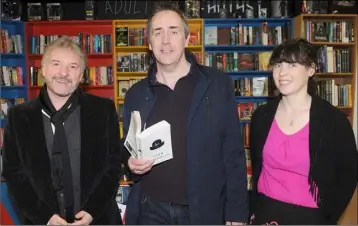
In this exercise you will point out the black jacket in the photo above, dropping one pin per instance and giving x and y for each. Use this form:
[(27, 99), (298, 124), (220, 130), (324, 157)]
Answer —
[(332, 145), (217, 182), (27, 165)]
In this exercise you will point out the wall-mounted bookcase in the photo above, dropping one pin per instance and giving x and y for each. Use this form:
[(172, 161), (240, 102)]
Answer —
[(94, 36), (131, 59), (241, 47), (335, 36), (13, 74)]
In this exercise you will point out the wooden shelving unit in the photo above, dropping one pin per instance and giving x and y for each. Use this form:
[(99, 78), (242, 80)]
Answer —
[(302, 28), (97, 58), (195, 25)]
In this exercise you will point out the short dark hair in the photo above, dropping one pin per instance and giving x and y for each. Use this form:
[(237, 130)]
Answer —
[(163, 6), (299, 51)]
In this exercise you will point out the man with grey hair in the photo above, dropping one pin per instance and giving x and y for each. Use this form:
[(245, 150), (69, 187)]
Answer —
[(61, 151), (205, 182)]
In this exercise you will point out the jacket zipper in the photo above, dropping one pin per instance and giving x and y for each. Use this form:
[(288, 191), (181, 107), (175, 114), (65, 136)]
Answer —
[(208, 112)]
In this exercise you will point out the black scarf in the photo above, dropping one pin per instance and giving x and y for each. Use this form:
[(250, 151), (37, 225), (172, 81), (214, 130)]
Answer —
[(60, 164)]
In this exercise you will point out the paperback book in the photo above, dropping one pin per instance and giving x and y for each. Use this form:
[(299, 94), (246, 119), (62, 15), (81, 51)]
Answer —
[(153, 142)]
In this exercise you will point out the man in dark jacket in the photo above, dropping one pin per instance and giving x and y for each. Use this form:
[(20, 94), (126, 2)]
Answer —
[(61, 150), (205, 182)]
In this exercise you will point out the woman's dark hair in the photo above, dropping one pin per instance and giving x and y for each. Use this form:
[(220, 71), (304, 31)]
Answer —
[(299, 51)]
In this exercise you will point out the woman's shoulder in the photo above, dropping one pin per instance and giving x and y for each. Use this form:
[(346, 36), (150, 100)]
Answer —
[(267, 108), (327, 110)]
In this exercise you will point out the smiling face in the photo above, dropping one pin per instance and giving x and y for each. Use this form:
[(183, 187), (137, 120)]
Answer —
[(63, 71), (168, 38), (293, 64), (291, 78)]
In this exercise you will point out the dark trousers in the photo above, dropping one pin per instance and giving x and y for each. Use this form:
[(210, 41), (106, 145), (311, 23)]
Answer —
[(156, 213), (273, 212)]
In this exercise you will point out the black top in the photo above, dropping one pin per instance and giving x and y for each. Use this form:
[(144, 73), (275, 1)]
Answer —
[(168, 181), (333, 154)]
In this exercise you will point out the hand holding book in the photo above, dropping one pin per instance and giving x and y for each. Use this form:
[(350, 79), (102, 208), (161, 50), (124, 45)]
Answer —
[(153, 143), (140, 166)]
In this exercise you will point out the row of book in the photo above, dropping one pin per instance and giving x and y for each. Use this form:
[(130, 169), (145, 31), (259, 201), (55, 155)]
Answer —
[(131, 36), (330, 31), (124, 85), (337, 94), (96, 76), (246, 35), (334, 60), (134, 62), (137, 36), (10, 43), (231, 62), (7, 103), (11, 76), (256, 86), (246, 109), (95, 44)]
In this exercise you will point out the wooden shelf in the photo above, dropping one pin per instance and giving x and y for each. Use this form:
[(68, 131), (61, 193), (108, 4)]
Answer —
[(334, 43), (132, 49), (130, 74), (69, 22), (349, 217), (97, 86), (89, 55), (327, 16), (345, 107), (333, 74)]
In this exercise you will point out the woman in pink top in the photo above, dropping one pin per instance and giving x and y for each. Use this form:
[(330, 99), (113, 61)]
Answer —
[(303, 151)]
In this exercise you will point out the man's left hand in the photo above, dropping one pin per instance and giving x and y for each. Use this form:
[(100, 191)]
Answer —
[(83, 218), (234, 223)]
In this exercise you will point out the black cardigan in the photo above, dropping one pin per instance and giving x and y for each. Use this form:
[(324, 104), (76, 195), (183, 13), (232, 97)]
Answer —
[(333, 154)]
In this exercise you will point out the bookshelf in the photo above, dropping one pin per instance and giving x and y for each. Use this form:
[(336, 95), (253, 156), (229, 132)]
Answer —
[(13, 91), (337, 48), (131, 46), (13, 65), (338, 76), (241, 47), (94, 36)]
